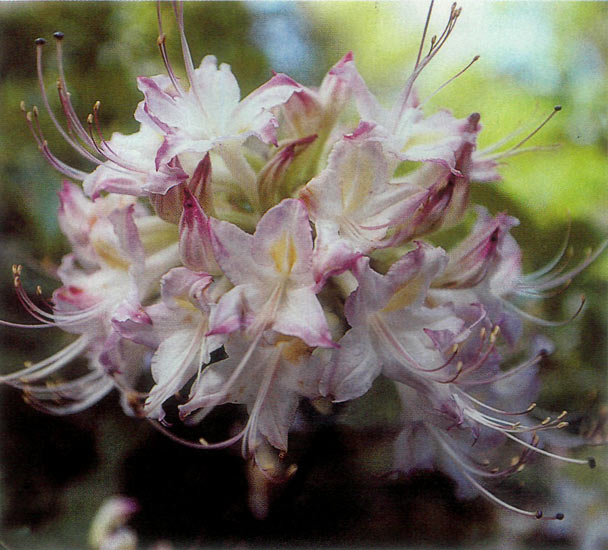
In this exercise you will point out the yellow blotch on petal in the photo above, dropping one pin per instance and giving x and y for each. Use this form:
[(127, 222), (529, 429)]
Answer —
[(293, 349), (356, 181), (110, 256), (405, 295), (284, 254)]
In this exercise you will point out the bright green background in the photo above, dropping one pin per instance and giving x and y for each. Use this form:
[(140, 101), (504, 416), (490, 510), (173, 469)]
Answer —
[(533, 56)]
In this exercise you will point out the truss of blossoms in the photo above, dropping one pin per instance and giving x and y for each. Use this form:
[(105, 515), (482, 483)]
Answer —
[(233, 250)]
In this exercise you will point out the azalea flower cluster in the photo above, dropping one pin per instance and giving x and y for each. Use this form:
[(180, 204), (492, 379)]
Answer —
[(274, 248)]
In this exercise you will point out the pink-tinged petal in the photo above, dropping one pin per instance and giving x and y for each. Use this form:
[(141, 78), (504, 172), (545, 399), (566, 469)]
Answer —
[(273, 93), (166, 178), (405, 286), (169, 206), (352, 369), (229, 313), (370, 296), (457, 325), (331, 255), (303, 111), (173, 364), (74, 209), (200, 185), (217, 91), (300, 314), (71, 297), (334, 91), (277, 417), (410, 277), (106, 179), (367, 104), (175, 144), (484, 170), (128, 235), (160, 82), (111, 356), (181, 285), (131, 169), (159, 104), (479, 255), (355, 194), (414, 447), (263, 126), (133, 323), (282, 243), (195, 242), (271, 178), (276, 377), (434, 139), (232, 249)]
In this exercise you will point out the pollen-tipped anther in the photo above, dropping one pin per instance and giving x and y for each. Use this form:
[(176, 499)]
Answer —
[(559, 516), (40, 41), (591, 462), (58, 35), (291, 470)]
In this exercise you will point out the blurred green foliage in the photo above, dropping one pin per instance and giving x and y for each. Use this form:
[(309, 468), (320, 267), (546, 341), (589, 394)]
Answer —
[(108, 44)]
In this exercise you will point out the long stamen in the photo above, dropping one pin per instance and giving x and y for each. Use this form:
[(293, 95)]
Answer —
[(55, 361), (588, 461), (459, 73), (557, 281), (161, 42), (436, 45), (489, 495), (178, 9), (156, 398), (511, 372), (202, 443), (221, 394), (249, 440), (40, 42), (544, 322), (459, 366), (556, 110), (57, 164), (454, 352), (399, 352), (70, 408), (530, 408), (523, 291), (105, 148), (426, 27), (516, 149), (72, 389)]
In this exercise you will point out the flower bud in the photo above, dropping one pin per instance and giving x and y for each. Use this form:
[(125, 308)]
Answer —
[(195, 246)]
